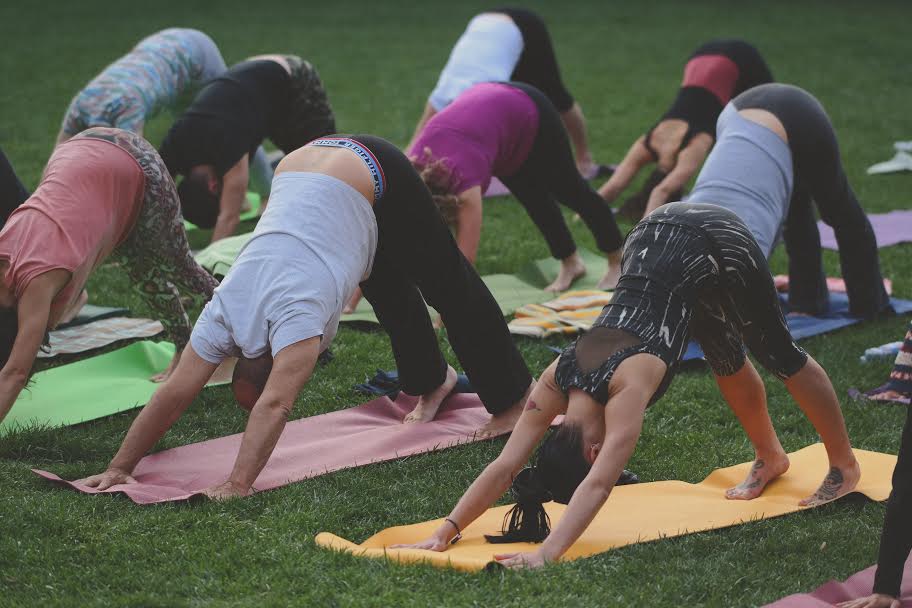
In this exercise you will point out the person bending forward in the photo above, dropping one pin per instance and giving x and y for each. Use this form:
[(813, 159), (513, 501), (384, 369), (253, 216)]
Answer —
[(689, 270), (104, 193), (344, 210)]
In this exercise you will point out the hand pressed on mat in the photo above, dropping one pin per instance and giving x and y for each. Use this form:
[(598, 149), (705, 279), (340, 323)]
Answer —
[(875, 600)]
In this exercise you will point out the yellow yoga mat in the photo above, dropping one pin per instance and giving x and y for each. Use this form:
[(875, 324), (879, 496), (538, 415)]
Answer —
[(636, 513)]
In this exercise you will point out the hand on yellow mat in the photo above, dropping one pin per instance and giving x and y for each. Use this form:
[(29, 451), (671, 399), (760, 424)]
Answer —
[(226, 491), (521, 560), (431, 544), (876, 600), (111, 477)]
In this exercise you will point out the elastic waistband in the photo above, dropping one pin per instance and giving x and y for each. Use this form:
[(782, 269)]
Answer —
[(366, 155)]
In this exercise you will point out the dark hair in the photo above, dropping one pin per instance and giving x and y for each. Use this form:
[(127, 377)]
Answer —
[(199, 204), (559, 469), (438, 177)]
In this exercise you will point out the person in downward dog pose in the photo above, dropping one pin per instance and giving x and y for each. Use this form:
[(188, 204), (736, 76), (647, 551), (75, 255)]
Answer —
[(12, 192), (104, 193), (680, 141), (136, 87), (689, 270), (276, 96), (512, 131), (344, 210), (775, 160), (511, 44)]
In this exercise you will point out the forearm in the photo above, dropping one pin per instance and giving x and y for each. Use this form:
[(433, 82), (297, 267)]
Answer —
[(484, 491), (225, 226), (10, 387), (896, 539), (590, 496), (265, 426), (149, 427)]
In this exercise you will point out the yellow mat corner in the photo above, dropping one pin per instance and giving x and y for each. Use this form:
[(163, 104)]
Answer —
[(636, 513)]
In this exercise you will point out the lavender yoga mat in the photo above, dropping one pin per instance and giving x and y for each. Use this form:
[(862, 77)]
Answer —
[(309, 447), (890, 229), (856, 586)]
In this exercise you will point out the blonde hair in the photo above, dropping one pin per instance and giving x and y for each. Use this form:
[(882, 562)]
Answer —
[(438, 177)]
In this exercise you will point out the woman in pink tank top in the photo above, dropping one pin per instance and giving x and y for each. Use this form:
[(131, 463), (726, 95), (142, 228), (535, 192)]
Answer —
[(105, 192), (680, 141)]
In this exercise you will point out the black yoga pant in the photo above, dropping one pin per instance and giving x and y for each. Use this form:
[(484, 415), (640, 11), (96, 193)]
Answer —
[(896, 538), (820, 179), (549, 175), (537, 64), (417, 256), (12, 192)]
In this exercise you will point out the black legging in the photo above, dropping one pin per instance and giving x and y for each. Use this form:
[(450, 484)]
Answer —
[(549, 173), (12, 192), (821, 179), (537, 64), (417, 256), (896, 539)]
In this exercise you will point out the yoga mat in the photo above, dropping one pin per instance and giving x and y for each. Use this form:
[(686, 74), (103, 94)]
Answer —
[(90, 313), (635, 513), (98, 334), (254, 212), (91, 388), (833, 592), (309, 447), (890, 229)]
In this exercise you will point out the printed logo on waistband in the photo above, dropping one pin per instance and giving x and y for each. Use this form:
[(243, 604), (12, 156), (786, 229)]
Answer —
[(366, 155)]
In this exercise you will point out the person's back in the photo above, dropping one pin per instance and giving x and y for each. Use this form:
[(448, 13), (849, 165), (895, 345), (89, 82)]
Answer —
[(487, 131), (749, 172)]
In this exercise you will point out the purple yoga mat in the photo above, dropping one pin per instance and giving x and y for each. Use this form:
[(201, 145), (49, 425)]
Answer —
[(309, 447), (890, 228), (833, 592)]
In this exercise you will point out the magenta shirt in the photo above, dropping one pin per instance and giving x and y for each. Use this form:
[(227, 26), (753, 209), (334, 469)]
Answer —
[(487, 131)]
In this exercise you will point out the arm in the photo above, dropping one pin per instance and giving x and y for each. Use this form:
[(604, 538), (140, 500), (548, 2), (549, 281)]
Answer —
[(637, 157), (689, 161), (291, 370), (468, 230), (33, 312), (429, 113), (234, 192), (167, 405), (545, 403)]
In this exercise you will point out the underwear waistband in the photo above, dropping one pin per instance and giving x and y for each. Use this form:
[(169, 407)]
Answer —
[(366, 155)]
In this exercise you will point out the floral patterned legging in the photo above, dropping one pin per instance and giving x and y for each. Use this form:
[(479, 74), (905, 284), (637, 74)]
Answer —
[(155, 253)]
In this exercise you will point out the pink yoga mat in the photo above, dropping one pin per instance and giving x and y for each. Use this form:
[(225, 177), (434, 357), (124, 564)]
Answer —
[(856, 586), (309, 447), (890, 228)]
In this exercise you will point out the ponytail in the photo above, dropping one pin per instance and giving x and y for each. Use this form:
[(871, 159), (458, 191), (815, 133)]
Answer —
[(527, 521)]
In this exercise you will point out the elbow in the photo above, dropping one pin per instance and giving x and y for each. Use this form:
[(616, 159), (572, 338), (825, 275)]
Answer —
[(16, 378)]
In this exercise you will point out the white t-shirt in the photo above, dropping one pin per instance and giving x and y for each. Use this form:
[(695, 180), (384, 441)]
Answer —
[(487, 51), (314, 244)]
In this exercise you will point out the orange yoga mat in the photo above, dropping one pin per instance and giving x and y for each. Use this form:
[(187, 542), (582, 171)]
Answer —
[(636, 513)]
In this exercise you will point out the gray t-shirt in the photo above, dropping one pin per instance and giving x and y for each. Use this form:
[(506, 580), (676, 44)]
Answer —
[(749, 172), (314, 244)]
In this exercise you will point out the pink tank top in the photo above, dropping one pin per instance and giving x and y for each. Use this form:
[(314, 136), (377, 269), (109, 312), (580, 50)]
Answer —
[(85, 206), (489, 130), (716, 73)]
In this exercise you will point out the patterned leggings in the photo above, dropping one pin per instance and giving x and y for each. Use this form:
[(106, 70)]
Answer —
[(156, 253)]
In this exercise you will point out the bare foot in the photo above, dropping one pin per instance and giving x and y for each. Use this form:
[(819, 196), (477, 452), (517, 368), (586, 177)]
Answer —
[(838, 482), (429, 403), (610, 279), (764, 471), (502, 423), (571, 268), (352, 303), (73, 311)]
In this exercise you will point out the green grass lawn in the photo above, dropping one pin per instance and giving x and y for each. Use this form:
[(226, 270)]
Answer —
[(379, 60)]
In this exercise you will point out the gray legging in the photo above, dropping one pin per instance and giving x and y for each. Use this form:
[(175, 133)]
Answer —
[(821, 179)]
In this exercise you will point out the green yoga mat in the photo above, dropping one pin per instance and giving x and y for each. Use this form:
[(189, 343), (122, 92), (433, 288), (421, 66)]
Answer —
[(91, 388), (252, 197), (510, 291)]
